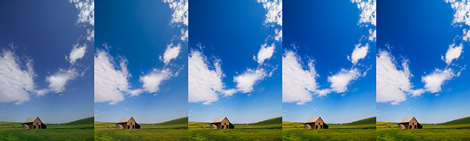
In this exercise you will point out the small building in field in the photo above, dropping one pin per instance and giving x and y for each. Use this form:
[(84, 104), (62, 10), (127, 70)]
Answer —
[(33, 123), (221, 123), (315, 123), (409, 123), (127, 123)]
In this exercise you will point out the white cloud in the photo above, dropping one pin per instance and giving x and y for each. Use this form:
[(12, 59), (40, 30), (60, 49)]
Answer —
[(180, 11), (17, 79), (58, 80), (466, 35), (453, 53), (368, 11), (359, 53), (298, 84), (86, 9), (278, 36), (462, 11), (341, 80), (265, 52), (86, 15), (171, 52), (248, 79), (184, 35), (204, 81), (77, 53), (436, 79), (392, 84), (90, 34), (153, 80), (274, 11), (111, 81), (372, 35)]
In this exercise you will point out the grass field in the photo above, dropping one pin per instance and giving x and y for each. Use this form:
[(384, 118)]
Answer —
[(172, 130), (359, 130), (265, 130), (453, 130), (78, 130)]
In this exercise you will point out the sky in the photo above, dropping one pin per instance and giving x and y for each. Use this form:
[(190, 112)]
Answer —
[(235, 60), (421, 61), (46, 63), (328, 60), (141, 60)]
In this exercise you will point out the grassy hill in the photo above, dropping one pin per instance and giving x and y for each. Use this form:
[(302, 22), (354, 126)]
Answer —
[(277, 120), (371, 120), (88, 120), (465, 120), (183, 120)]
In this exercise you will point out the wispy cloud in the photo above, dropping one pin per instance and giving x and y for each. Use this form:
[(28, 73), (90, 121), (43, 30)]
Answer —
[(171, 52), (77, 53), (205, 80), (17, 77), (453, 53), (359, 53), (111, 79), (392, 83), (154, 79), (58, 80), (298, 84)]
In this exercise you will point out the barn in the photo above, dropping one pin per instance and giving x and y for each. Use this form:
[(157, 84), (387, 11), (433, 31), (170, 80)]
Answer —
[(315, 123), (127, 123), (409, 123), (33, 123), (221, 123)]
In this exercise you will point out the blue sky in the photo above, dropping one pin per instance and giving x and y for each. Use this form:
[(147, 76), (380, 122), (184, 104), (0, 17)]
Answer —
[(322, 77), (46, 60), (433, 45), (234, 61), (140, 61)]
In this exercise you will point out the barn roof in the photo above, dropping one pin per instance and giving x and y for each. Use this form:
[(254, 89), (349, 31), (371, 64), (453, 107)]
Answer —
[(312, 120), (217, 120), (124, 120), (30, 120), (406, 120)]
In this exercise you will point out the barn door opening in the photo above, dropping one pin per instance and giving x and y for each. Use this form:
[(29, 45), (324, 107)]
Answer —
[(321, 126), (223, 127), (128, 127), (411, 127)]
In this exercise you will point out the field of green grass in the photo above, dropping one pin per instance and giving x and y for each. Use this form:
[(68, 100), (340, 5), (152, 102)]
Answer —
[(77, 130), (172, 130), (453, 130), (265, 130), (359, 130)]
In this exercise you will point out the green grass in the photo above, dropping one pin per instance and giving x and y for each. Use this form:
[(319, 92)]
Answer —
[(277, 120), (14, 131), (390, 131), (265, 130), (465, 120), (362, 131), (178, 121), (172, 130), (371, 120)]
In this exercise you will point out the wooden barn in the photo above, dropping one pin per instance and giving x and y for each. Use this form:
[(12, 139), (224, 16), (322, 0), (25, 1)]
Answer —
[(33, 123), (409, 123), (315, 123), (221, 123), (127, 123)]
